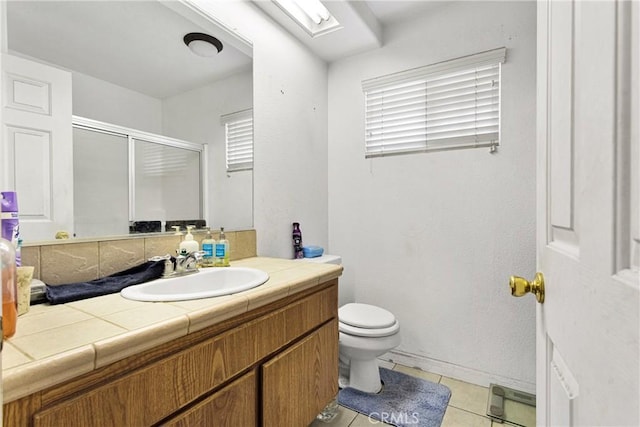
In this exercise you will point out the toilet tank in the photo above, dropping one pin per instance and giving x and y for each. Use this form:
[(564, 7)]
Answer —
[(324, 259)]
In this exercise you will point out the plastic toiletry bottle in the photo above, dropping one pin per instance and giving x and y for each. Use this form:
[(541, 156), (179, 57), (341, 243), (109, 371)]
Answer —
[(10, 220), (208, 247), (188, 245), (222, 250), (9, 288), (297, 241)]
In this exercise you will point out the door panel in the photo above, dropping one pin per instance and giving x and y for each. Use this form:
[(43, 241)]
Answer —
[(37, 159), (560, 127), (587, 328)]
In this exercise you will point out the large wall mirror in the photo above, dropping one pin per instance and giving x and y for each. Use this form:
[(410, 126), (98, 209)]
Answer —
[(123, 65)]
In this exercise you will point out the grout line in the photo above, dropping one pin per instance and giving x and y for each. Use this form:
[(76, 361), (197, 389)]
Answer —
[(470, 412)]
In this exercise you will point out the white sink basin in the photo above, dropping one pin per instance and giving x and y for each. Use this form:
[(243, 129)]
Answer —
[(210, 282)]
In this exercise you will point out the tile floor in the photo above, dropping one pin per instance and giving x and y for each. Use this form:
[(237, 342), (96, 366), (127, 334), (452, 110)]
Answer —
[(467, 406)]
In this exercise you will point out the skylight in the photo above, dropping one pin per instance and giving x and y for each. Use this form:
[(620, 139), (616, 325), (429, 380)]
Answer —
[(311, 15)]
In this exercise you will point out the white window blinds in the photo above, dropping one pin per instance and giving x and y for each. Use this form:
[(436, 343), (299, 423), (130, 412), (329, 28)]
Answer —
[(239, 140), (448, 105)]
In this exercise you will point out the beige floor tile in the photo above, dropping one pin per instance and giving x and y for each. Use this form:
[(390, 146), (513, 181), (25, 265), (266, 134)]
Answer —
[(455, 417), (343, 419), (364, 421), (145, 316), (415, 372), (520, 413), (469, 397), (48, 343)]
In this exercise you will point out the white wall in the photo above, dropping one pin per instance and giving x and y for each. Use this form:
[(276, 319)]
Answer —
[(100, 100), (195, 116), (434, 237), (290, 124)]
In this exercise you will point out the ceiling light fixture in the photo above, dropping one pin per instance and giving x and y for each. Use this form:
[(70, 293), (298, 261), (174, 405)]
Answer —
[(203, 44), (312, 15)]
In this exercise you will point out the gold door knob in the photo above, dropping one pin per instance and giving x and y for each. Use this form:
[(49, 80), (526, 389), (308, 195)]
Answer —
[(520, 287)]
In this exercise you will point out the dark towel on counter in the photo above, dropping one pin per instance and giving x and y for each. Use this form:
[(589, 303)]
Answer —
[(145, 272)]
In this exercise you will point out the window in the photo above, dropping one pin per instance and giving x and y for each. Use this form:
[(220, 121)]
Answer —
[(239, 140), (448, 105)]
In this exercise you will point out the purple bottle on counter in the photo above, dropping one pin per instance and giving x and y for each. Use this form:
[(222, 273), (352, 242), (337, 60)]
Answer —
[(297, 241), (10, 224)]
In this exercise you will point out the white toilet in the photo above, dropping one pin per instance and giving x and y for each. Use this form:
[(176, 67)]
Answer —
[(366, 332)]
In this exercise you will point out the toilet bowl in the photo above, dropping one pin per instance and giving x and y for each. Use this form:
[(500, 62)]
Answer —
[(366, 332)]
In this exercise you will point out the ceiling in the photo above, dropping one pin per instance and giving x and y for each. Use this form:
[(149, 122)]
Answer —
[(138, 44), (134, 44), (362, 23)]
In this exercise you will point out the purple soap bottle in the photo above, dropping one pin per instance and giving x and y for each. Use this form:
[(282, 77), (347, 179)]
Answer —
[(297, 241), (10, 221)]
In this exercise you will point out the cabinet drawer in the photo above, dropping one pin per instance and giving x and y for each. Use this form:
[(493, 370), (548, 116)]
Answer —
[(234, 405)]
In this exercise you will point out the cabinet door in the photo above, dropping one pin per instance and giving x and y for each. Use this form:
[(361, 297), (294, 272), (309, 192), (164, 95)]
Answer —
[(299, 382), (234, 405)]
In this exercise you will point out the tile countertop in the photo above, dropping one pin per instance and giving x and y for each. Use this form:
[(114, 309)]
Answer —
[(54, 343)]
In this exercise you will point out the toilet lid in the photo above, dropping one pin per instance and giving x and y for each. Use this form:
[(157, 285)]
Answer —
[(369, 332), (365, 316)]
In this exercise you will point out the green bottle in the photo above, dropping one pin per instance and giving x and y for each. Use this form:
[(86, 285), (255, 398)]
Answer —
[(222, 250)]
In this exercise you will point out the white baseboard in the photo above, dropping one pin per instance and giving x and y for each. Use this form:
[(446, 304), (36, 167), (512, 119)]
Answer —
[(455, 371)]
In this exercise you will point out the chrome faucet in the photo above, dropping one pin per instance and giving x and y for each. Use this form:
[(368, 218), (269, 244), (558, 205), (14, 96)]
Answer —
[(187, 262), (181, 264)]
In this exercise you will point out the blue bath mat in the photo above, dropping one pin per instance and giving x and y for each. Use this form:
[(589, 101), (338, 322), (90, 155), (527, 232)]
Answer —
[(404, 401)]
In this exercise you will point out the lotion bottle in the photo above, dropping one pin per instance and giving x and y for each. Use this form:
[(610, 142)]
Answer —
[(188, 245)]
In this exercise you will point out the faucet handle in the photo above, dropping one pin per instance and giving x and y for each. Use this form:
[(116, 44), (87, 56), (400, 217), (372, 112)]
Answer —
[(159, 258)]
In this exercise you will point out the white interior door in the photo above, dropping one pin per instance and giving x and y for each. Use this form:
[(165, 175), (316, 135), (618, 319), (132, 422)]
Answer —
[(37, 148), (588, 213)]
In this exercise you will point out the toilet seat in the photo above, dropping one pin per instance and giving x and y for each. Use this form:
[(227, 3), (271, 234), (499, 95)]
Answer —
[(366, 320), (369, 332)]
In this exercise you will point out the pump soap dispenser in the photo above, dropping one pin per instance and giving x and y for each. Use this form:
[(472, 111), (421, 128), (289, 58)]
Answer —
[(222, 251), (188, 245), (208, 249)]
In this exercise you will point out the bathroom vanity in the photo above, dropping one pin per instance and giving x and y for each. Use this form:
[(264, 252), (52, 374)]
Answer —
[(273, 362)]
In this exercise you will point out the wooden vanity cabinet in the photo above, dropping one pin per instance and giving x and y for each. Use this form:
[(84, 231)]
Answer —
[(276, 365), (234, 405), (294, 382)]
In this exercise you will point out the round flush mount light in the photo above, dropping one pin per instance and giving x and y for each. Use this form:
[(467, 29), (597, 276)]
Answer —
[(203, 44)]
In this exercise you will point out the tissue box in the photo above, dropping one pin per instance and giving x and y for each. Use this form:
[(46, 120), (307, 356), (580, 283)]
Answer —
[(312, 251)]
